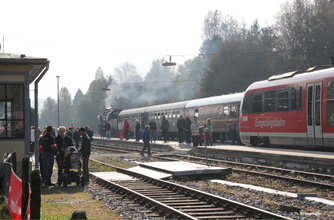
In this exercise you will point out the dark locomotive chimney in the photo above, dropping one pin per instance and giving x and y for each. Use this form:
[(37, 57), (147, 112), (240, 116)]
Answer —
[(332, 61)]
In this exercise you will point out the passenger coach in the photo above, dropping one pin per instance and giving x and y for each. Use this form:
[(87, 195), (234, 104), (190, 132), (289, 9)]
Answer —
[(222, 110), (295, 108), (171, 111)]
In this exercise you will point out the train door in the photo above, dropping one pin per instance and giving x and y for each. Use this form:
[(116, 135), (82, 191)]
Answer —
[(144, 120), (313, 111)]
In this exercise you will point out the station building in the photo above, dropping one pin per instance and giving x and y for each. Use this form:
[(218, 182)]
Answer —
[(17, 72)]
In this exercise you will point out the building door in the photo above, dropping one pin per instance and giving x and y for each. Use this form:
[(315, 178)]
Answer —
[(313, 114)]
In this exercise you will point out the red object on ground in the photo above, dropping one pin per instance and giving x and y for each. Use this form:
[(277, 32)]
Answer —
[(15, 197)]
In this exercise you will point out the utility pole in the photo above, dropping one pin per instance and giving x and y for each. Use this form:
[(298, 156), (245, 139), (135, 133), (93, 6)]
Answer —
[(58, 100)]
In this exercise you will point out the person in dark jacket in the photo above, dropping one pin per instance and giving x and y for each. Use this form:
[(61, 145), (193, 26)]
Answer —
[(40, 150), (146, 140), (62, 141), (107, 127), (153, 130), (164, 128), (90, 133), (53, 132), (85, 153), (180, 128), (187, 129), (49, 147), (137, 130)]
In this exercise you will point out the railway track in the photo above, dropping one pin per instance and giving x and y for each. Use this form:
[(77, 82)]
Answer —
[(322, 181), (176, 201)]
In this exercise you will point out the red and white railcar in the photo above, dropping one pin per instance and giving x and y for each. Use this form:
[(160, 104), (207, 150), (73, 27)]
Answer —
[(295, 108)]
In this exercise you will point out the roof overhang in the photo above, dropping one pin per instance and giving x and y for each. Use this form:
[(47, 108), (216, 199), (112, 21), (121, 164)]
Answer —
[(34, 66)]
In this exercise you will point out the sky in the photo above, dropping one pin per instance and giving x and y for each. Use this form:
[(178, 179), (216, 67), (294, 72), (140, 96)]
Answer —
[(78, 36)]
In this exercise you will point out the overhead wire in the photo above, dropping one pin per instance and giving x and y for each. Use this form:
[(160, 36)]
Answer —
[(155, 82)]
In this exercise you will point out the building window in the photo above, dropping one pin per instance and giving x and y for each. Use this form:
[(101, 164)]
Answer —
[(11, 111), (330, 104)]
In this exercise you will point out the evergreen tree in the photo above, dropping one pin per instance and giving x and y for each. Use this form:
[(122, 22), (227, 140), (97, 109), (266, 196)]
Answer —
[(92, 103), (48, 114), (77, 97)]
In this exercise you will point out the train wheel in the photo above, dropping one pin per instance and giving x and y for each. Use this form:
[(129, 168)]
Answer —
[(266, 142), (254, 141), (214, 138), (222, 139)]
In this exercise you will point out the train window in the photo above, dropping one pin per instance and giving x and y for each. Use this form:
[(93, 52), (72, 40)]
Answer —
[(296, 97), (330, 104), (309, 106), (196, 113), (317, 104), (257, 103), (233, 111), (300, 97), (269, 101), (246, 104), (283, 100), (293, 98), (226, 112)]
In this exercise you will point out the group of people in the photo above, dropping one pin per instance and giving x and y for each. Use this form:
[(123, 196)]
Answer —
[(187, 130), (51, 146), (195, 132), (105, 129)]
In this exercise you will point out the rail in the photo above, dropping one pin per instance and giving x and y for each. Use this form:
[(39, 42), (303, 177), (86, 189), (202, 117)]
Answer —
[(246, 210), (282, 171)]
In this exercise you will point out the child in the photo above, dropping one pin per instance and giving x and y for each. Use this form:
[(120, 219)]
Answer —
[(207, 137)]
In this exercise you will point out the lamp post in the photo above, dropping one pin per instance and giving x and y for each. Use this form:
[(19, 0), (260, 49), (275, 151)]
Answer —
[(58, 101), (170, 63)]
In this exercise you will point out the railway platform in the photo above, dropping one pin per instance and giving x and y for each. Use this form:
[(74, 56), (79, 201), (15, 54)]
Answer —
[(167, 170), (310, 161), (306, 160)]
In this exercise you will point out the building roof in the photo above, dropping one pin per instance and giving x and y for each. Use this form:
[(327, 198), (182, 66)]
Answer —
[(37, 64)]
